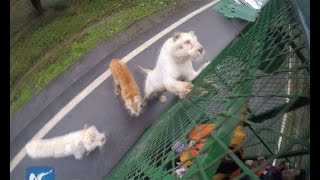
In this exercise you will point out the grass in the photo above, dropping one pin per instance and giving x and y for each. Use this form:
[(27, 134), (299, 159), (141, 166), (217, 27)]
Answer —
[(32, 65)]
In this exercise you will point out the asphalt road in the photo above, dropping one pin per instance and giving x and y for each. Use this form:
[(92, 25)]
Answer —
[(102, 109)]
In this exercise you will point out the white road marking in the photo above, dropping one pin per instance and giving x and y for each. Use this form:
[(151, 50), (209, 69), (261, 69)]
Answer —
[(84, 93)]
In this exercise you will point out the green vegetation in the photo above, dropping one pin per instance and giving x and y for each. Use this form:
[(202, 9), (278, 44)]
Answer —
[(46, 51)]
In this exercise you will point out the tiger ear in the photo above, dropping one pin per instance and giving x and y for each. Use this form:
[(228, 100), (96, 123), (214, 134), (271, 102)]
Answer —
[(176, 35), (191, 32)]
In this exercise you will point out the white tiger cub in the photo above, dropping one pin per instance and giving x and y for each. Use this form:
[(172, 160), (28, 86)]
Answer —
[(174, 70), (78, 143)]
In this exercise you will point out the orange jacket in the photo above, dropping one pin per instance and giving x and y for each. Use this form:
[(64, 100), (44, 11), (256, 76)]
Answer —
[(200, 133)]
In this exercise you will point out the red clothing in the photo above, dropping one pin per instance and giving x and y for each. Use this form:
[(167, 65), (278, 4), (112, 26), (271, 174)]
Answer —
[(261, 171), (235, 173)]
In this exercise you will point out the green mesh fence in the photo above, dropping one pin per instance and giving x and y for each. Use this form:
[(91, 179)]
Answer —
[(261, 83)]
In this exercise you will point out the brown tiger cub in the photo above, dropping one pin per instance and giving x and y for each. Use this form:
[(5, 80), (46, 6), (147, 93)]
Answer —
[(125, 83)]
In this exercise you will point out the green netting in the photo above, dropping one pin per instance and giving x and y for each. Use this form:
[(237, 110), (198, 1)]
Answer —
[(260, 82)]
